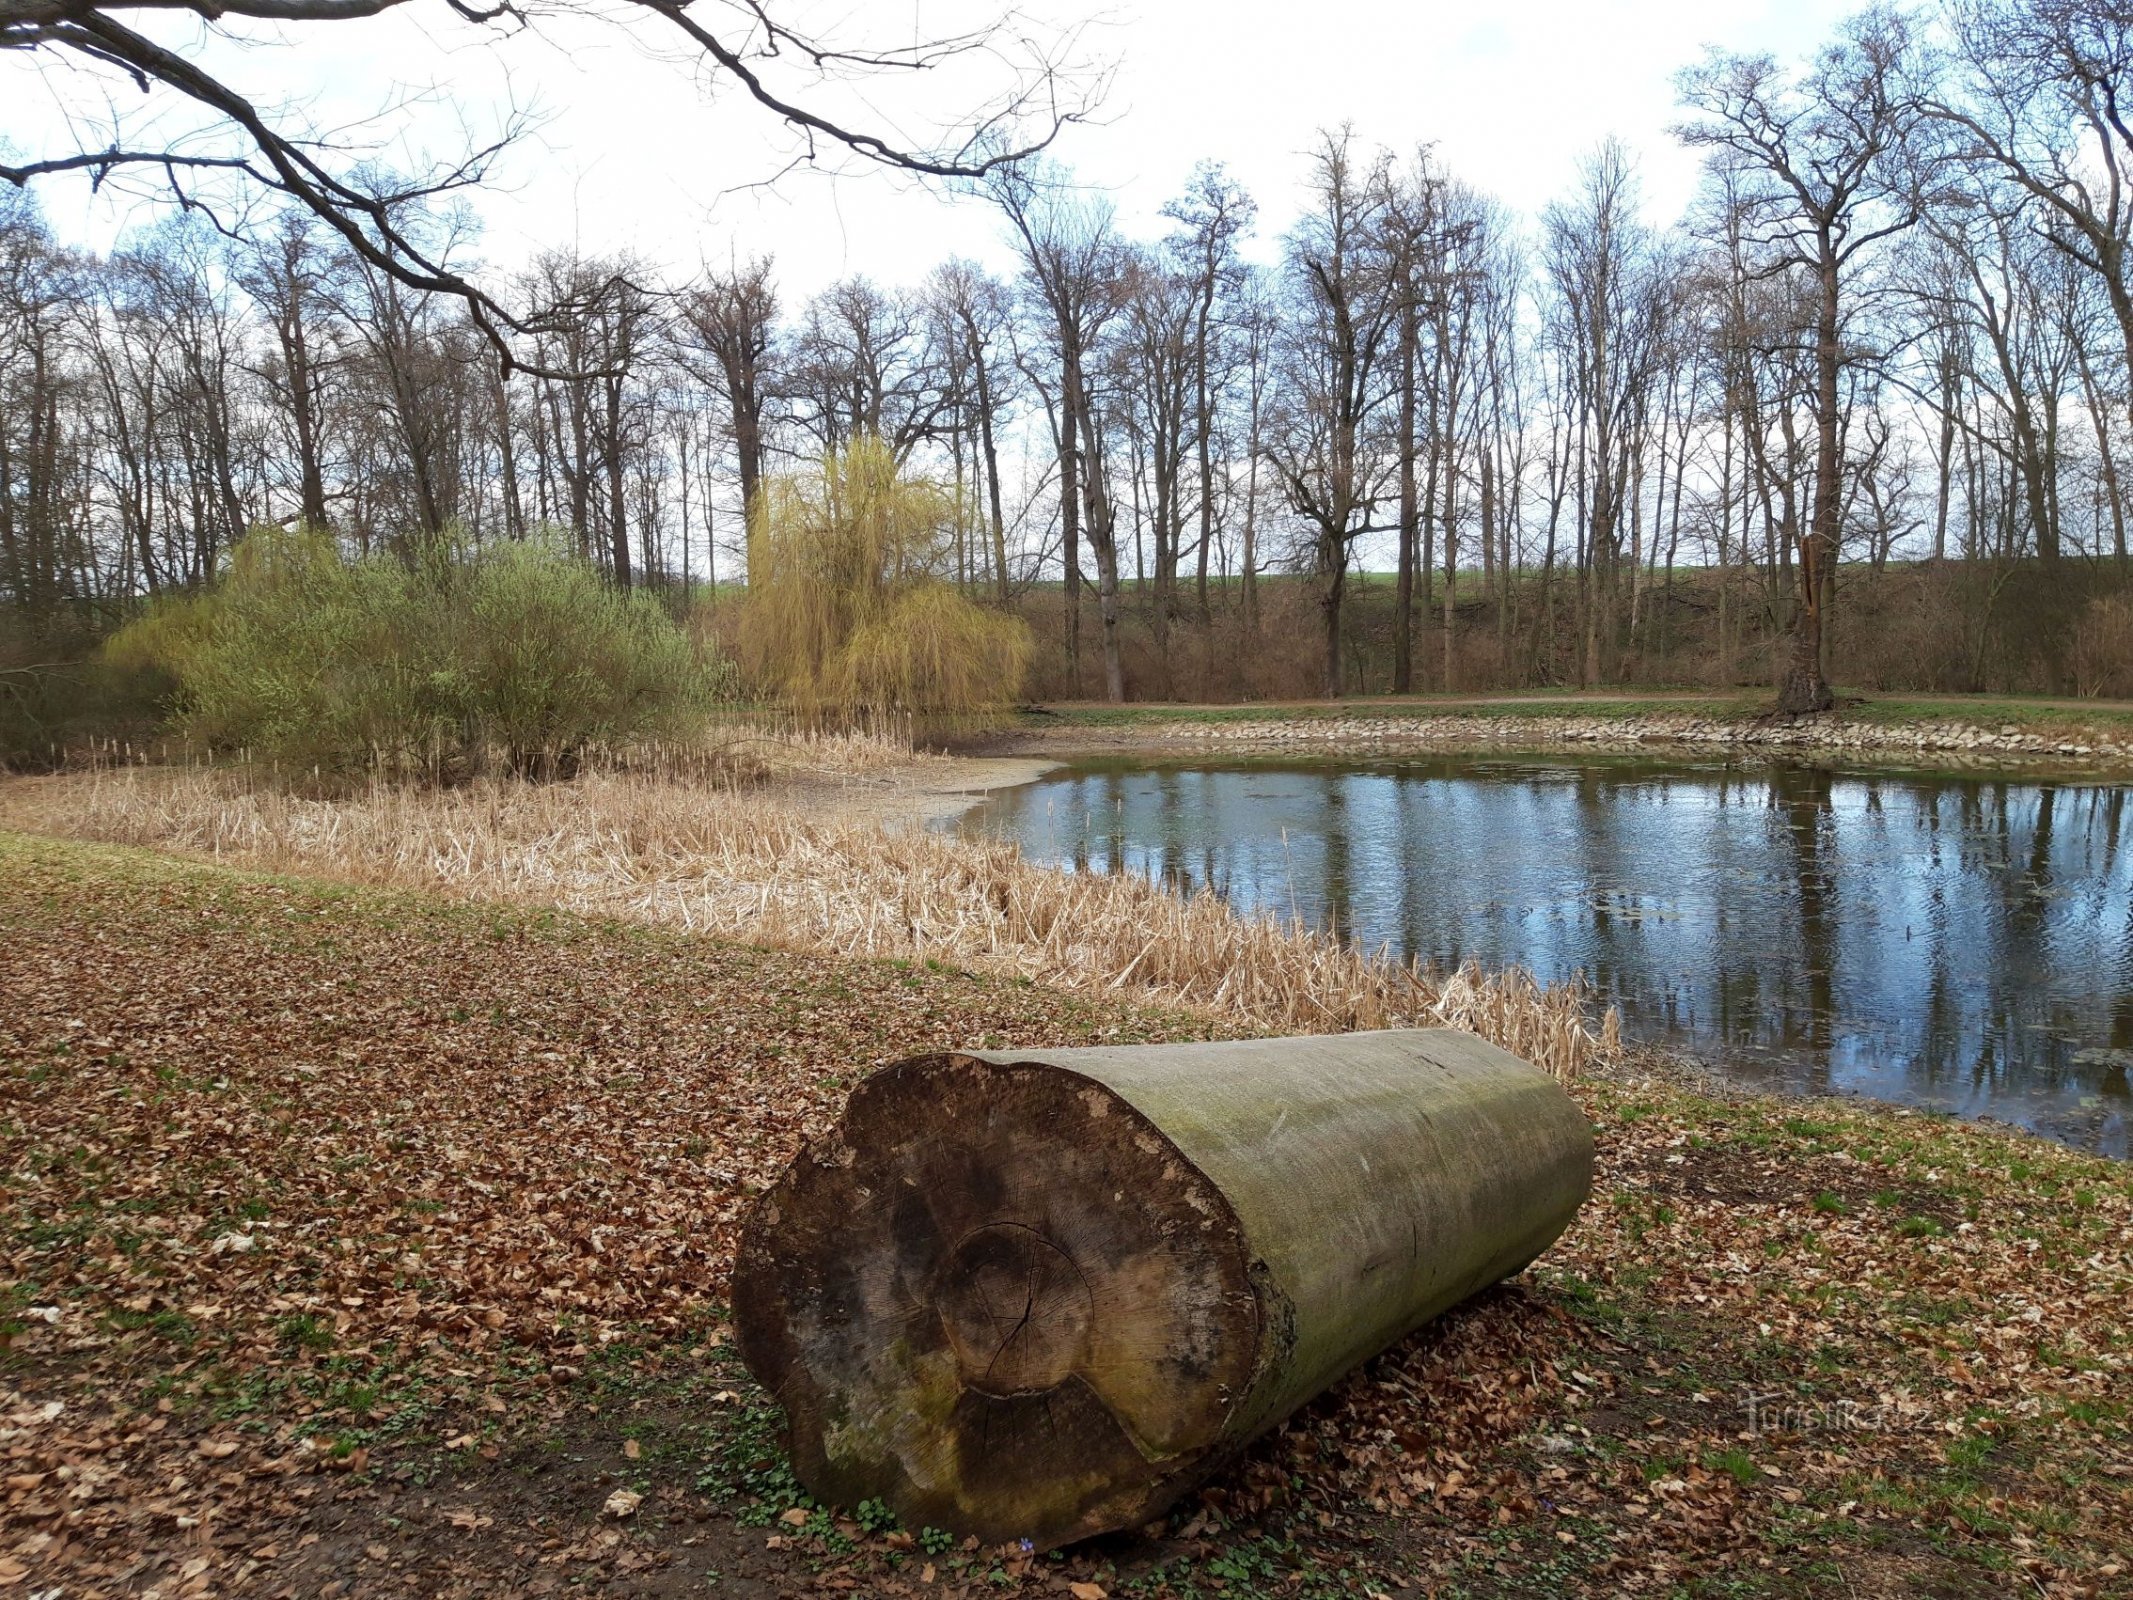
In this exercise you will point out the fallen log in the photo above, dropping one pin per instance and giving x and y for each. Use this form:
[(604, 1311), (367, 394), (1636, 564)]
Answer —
[(1040, 1293)]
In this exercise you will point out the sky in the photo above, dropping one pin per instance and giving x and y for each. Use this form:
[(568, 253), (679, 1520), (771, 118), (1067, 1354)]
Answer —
[(630, 154)]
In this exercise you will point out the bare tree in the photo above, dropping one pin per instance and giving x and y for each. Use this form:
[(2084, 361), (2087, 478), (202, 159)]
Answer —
[(1154, 362), (2036, 105), (976, 309), (861, 362), (732, 316), (240, 144), (1609, 280), (1324, 441), (1071, 257), (1213, 214), (289, 275), (1819, 151)]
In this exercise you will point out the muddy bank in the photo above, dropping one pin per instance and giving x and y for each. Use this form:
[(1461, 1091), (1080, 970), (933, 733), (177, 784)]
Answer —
[(929, 790)]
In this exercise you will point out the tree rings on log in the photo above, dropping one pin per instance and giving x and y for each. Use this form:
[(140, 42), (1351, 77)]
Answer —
[(1040, 1294)]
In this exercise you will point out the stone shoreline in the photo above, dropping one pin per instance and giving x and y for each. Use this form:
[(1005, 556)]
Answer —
[(1957, 743)]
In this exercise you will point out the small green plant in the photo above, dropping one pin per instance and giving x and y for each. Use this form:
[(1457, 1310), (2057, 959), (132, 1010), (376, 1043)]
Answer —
[(1920, 1228), (1736, 1464), (1968, 1453), (300, 1330), (748, 1464), (1831, 1205), (874, 1516), (936, 1541)]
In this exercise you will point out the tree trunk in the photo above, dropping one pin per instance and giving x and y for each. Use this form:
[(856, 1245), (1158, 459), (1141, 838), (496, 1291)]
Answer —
[(617, 509), (1042, 1294), (998, 523), (1333, 583), (296, 354), (1944, 455), (1070, 521), (1102, 529), (2106, 457), (1403, 619), (1249, 556), (1802, 688)]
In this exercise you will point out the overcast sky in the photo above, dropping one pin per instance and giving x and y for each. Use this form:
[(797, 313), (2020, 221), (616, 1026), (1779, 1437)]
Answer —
[(630, 154)]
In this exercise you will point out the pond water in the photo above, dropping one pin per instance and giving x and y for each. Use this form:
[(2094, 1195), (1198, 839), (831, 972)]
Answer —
[(1955, 942)]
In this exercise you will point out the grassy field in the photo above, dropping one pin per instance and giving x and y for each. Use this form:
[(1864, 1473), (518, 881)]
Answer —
[(367, 1238)]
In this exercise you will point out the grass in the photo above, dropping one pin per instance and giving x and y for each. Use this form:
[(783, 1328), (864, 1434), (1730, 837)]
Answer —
[(2053, 718), (492, 1157), (1602, 705), (738, 864)]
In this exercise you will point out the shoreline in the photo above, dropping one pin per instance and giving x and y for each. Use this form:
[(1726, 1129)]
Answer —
[(928, 791), (1333, 731)]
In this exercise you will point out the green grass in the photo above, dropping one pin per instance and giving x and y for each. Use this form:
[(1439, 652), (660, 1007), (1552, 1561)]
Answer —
[(2046, 717), (1521, 703)]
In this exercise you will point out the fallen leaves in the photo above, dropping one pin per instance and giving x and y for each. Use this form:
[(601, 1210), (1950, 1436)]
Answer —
[(290, 1143), (464, 1139)]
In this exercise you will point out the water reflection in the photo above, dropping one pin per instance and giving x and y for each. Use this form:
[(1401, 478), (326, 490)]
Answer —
[(1953, 942)]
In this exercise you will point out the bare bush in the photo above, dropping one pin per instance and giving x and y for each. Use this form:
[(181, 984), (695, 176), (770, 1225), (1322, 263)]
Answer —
[(2100, 654)]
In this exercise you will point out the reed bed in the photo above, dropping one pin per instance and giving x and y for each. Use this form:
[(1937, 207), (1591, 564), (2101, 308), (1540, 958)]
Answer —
[(739, 747), (739, 863)]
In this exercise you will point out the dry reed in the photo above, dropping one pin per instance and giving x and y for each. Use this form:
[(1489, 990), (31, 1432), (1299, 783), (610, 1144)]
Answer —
[(741, 864)]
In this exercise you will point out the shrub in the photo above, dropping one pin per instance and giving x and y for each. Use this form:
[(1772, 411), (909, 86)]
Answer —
[(851, 612), (297, 655), (554, 658), (520, 652), (57, 694)]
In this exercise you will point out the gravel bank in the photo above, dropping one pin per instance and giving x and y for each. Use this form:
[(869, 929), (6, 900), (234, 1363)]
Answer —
[(1945, 743)]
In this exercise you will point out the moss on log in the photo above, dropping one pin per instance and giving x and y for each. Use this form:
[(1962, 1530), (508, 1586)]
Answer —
[(1039, 1294)]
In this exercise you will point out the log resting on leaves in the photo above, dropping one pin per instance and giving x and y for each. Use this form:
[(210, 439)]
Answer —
[(1041, 1293)]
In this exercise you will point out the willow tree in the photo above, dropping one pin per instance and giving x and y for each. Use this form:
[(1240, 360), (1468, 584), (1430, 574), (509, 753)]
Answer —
[(853, 614)]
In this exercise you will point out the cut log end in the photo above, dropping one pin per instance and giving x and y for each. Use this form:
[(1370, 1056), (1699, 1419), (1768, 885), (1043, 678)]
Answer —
[(1040, 1296), (1001, 1299)]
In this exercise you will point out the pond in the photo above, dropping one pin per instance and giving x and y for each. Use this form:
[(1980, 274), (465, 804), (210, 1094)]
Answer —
[(1948, 941)]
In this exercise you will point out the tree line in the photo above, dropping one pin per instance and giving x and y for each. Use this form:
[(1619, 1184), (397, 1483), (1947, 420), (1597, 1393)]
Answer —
[(1895, 328)]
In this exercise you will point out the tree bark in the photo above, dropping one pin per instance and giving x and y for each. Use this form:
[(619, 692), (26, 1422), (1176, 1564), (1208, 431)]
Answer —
[(1403, 621), (1333, 584), (1802, 688), (1041, 1294), (998, 522)]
